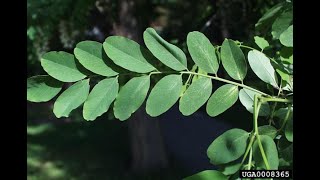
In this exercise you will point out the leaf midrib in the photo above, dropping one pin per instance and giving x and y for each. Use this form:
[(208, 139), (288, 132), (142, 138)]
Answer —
[(206, 54), (238, 138), (264, 66), (104, 97), (100, 65), (228, 94), (133, 95), (142, 60), (64, 66), (252, 98), (167, 46), (139, 87), (232, 142), (172, 87), (200, 89), (235, 61), (73, 98), (90, 54)]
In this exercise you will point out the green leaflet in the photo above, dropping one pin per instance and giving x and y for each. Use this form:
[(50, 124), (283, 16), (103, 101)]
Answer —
[(62, 66), (228, 147), (289, 130), (233, 60), (90, 55), (71, 98), (283, 143), (131, 97), (283, 74), (100, 98), (236, 177), (261, 42), (282, 112), (270, 150), (207, 175), (42, 88), (284, 69), (128, 54), (287, 153), (167, 53), (202, 52), (183, 89), (195, 96), (230, 168), (164, 95), (281, 24), (283, 162), (286, 38), (246, 97), (268, 130), (261, 66), (288, 86), (269, 17), (222, 99), (286, 55)]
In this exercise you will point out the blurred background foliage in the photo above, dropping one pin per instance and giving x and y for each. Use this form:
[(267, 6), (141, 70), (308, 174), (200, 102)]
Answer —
[(70, 148)]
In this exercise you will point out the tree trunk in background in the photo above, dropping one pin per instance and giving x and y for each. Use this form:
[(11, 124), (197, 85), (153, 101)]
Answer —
[(223, 5), (148, 152), (147, 147), (127, 23)]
